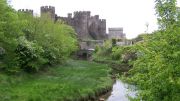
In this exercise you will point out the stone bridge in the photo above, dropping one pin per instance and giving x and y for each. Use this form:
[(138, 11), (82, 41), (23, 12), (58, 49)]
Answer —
[(87, 48)]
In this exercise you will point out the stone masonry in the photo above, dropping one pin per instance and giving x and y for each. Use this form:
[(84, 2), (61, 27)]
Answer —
[(86, 26)]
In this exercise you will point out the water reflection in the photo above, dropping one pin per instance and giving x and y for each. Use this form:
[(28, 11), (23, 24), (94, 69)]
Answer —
[(121, 92)]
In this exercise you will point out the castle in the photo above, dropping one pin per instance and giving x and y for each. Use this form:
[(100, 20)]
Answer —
[(86, 26), (91, 30)]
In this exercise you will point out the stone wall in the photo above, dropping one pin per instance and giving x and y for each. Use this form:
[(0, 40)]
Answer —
[(116, 33), (86, 26), (28, 11)]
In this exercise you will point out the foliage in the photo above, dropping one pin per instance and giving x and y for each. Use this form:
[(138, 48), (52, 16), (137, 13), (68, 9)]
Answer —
[(167, 13), (29, 55), (114, 41), (10, 31), (156, 71), (123, 53), (103, 52), (28, 42), (58, 40)]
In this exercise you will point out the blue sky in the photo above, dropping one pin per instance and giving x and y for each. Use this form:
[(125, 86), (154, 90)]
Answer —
[(132, 15)]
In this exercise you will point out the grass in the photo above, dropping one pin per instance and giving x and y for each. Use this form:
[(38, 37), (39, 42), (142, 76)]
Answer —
[(68, 82)]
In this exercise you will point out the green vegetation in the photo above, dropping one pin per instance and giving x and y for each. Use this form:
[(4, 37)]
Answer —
[(32, 43), (120, 58), (103, 53), (29, 43), (156, 70), (68, 82), (31, 51)]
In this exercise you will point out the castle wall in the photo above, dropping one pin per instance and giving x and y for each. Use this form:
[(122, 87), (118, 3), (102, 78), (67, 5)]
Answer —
[(28, 11), (85, 25), (116, 33)]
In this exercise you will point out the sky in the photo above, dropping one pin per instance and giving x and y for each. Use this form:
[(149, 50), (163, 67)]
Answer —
[(132, 15)]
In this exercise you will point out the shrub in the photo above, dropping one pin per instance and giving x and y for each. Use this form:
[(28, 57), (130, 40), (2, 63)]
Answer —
[(30, 55), (156, 71), (124, 53), (29, 43)]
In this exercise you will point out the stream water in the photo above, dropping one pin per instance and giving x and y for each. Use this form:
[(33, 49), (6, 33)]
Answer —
[(121, 91)]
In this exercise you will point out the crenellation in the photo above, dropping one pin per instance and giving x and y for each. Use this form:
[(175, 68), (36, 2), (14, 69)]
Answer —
[(103, 20), (48, 7), (81, 13), (96, 16), (28, 11)]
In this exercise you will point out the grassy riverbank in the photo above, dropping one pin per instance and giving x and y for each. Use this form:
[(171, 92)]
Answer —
[(73, 81)]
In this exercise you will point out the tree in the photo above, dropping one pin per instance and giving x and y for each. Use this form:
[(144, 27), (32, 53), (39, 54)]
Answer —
[(156, 70), (167, 12), (10, 31)]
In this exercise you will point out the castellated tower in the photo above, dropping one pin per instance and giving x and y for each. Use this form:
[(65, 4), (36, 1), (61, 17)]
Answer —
[(94, 26), (28, 11), (48, 11), (102, 28), (81, 19), (97, 27)]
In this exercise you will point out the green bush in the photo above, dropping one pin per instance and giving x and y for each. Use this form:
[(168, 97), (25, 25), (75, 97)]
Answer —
[(30, 55), (57, 40), (156, 71), (124, 53), (10, 31), (103, 52), (28, 42), (114, 42)]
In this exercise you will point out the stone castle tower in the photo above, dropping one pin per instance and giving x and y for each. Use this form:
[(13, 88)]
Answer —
[(85, 25), (48, 11)]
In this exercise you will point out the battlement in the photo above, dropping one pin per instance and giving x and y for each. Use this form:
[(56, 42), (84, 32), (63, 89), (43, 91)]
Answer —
[(47, 8), (25, 10), (81, 13), (30, 11), (102, 20), (96, 16), (116, 29)]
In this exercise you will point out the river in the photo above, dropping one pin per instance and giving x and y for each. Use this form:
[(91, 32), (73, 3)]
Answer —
[(121, 91)]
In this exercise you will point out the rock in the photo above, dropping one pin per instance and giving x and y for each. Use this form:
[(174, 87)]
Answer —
[(101, 99)]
